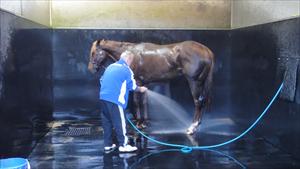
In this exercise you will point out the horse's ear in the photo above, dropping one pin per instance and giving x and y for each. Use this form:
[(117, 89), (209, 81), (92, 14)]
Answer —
[(98, 42)]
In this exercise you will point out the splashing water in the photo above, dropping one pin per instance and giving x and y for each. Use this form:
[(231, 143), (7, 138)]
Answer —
[(166, 115)]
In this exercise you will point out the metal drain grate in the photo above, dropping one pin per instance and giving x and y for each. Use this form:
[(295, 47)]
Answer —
[(72, 131)]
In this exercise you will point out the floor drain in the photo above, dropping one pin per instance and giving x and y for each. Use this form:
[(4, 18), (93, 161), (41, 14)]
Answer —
[(72, 131)]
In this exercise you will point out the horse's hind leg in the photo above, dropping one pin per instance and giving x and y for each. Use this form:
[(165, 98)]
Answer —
[(196, 90)]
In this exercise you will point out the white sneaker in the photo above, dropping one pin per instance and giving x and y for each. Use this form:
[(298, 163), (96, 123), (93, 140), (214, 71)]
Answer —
[(109, 149), (127, 149)]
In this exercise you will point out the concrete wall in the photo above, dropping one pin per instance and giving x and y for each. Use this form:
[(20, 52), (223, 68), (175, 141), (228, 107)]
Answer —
[(254, 12), (35, 10), (183, 14), (209, 14), (26, 91), (161, 14)]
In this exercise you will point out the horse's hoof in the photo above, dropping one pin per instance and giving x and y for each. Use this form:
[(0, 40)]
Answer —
[(192, 129), (189, 132), (143, 126)]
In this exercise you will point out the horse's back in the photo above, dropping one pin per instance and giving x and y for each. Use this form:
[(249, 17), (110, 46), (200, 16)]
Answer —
[(152, 46)]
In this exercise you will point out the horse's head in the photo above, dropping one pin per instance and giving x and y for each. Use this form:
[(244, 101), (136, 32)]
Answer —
[(97, 57)]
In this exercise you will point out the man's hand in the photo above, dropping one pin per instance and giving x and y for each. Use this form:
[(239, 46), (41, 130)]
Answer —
[(143, 89)]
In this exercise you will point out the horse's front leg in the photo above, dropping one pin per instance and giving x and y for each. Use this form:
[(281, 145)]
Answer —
[(140, 109), (137, 109), (144, 109)]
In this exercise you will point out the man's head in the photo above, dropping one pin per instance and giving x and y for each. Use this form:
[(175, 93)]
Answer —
[(128, 57)]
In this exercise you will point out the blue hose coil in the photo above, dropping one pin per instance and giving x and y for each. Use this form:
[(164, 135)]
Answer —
[(188, 149)]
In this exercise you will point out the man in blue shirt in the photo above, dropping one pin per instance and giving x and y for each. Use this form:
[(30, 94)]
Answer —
[(116, 82)]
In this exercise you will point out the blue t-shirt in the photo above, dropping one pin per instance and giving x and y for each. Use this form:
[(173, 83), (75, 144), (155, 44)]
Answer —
[(116, 82)]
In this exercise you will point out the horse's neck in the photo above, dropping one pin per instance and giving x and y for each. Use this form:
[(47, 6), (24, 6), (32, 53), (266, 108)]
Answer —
[(115, 48)]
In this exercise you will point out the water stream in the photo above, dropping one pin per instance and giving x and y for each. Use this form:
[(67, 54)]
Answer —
[(166, 115)]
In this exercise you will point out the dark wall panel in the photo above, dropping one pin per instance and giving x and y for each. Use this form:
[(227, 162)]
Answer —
[(77, 89), (262, 57), (26, 97)]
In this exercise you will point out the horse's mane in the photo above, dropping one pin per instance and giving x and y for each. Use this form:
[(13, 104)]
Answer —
[(114, 48)]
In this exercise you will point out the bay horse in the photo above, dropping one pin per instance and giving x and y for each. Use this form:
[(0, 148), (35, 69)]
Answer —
[(153, 62)]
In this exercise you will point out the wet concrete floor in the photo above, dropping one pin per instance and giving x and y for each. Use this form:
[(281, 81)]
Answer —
[(76, 141)]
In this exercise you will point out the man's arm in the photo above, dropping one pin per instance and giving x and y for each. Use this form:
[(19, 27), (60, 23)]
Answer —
[(132, 84), (131, 81)]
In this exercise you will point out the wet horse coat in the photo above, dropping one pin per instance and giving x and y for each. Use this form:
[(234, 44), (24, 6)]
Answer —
[(154, 63)]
